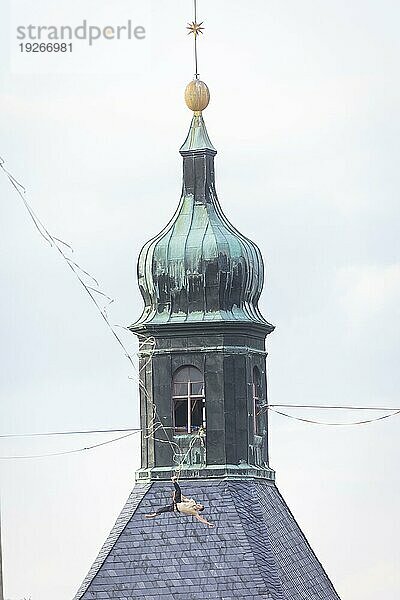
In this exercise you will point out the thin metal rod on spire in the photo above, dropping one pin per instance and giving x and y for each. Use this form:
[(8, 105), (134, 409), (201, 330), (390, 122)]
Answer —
[(195, 28), (195, 41)]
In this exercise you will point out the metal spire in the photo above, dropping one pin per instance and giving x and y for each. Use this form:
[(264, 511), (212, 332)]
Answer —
[(197, 29)]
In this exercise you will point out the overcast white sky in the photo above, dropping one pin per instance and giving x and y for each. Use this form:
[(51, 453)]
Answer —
[(305, 116)]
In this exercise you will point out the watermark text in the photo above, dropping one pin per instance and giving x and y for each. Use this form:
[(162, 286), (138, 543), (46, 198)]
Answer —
[(84, 31)]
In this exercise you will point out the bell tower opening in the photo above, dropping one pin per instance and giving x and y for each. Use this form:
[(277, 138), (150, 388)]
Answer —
[(257, 402), (188, 400)]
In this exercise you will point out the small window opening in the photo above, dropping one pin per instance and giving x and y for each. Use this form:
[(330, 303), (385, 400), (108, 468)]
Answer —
[(258, 407), (188, 400)]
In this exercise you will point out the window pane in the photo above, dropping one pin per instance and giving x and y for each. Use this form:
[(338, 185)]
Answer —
[(182, 374), (197, 414), (196, 389), (188, 373), (180, 414), (195, 374), (180, 389), (257, 383), (259, 416)]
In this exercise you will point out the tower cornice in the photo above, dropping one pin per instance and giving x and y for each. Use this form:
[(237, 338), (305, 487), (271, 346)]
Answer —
[(179, 329)]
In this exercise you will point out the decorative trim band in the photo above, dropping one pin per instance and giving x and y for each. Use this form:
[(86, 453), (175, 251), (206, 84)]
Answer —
[(244, 471)]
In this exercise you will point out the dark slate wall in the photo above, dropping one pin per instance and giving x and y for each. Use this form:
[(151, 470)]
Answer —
[(162, 400), (235, 387), (146, 410), (215, 417)]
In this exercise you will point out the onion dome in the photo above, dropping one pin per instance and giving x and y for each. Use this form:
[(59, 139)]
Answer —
[(199, 268)]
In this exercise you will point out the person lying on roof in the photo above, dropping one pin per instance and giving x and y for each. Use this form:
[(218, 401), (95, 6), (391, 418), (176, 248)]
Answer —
[(181, 504)]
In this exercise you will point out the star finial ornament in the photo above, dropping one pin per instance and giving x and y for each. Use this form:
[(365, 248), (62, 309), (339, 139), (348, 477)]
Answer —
[(195, 28)]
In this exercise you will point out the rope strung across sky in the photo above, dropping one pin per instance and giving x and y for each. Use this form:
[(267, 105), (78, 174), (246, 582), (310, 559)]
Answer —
[(63, 452), (79, 273), (175, 447), (93, 293), (272, 407), (337, 424), (55, 433)]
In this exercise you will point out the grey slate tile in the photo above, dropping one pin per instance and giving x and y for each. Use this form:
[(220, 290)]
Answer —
[(256, 551)]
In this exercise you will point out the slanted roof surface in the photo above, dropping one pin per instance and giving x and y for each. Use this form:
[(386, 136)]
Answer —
[(256, 550)]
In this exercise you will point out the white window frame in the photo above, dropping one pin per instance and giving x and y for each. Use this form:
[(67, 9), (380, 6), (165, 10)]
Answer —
[(190, 398)]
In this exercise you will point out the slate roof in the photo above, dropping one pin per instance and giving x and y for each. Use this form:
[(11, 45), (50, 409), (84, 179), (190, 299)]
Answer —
[(256, 550)]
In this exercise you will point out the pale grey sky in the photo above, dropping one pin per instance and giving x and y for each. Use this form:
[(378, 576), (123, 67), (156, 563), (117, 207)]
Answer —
[(304, 114)]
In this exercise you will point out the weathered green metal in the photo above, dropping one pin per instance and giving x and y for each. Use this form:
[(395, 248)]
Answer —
[(197, 138), (200, 268)]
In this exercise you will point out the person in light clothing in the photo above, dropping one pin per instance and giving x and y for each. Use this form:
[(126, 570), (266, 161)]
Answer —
[(182, 505)]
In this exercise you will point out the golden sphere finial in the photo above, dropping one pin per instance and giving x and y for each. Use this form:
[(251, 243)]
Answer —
[(197, 95)]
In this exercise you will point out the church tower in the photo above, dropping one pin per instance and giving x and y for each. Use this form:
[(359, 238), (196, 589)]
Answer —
[(203, 407), (202, 360)]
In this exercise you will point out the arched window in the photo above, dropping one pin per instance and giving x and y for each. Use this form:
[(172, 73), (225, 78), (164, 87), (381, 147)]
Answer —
[(257, 402), (188, 399)]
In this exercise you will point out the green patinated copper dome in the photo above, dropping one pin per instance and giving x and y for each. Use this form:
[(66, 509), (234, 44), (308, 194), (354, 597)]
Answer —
[(200, 268)]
